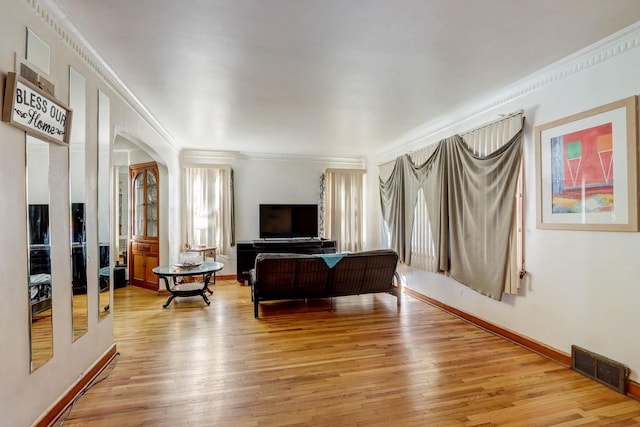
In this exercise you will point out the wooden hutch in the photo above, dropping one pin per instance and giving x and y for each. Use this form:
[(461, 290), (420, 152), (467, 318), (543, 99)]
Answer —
[(145, 215)]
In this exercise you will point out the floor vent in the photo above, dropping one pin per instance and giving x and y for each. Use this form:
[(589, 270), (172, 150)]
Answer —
[(606, 371)]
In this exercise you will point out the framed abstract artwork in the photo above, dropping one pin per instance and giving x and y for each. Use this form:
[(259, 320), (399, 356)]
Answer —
[(587, 170)]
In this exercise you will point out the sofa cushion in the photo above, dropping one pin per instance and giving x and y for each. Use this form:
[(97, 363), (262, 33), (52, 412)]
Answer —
[(364, 272), (289, 276)]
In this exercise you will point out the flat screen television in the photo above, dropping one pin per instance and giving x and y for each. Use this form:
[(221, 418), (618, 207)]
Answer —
[(286, 221)]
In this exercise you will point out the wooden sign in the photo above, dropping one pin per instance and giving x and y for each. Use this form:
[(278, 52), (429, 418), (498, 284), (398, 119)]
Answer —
[(34, 111)]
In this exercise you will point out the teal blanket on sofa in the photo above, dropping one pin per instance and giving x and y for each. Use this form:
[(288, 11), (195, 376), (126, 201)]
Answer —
[(332, 259)]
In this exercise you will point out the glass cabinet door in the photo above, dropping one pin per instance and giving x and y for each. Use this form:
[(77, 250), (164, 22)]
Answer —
[(152, 204), (138, 205), (144, 197)]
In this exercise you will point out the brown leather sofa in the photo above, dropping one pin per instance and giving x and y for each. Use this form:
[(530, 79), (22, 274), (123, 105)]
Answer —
[(279, 276)]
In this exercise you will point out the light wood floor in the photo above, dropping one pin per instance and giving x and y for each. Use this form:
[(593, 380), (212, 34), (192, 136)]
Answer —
[(41, 338), (363, 364)]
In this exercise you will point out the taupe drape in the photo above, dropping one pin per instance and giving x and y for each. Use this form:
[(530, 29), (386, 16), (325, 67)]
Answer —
[(470, 202)]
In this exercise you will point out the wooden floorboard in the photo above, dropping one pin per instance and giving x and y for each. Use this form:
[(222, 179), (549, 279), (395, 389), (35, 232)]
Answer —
[(363, 364)]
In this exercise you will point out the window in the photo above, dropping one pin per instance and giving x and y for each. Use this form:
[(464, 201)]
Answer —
[(343, 207), (468, 214), (208, 211)]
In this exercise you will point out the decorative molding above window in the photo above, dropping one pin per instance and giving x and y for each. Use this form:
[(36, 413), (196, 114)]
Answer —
[(221, 157)]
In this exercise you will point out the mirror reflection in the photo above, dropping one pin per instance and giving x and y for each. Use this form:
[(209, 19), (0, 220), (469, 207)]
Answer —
[(77, 101), (120, 175), (104, 205), (39, 256)]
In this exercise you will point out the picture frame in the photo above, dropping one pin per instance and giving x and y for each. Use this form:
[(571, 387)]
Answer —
[(587, 170), (33, 110)]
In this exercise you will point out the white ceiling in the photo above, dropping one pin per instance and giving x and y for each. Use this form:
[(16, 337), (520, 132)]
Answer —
[(328, 77)]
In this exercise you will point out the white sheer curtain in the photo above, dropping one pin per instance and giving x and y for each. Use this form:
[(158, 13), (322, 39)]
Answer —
[(423, 248), (344, 208), (208, 208)]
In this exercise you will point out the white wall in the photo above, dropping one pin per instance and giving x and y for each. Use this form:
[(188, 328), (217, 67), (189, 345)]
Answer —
[(267, 179), (25, 396), (582, 286)]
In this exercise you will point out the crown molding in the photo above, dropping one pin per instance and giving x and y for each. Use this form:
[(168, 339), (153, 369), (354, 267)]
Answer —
[(54, 17), (603, 50), (208, 157), (594, 54)]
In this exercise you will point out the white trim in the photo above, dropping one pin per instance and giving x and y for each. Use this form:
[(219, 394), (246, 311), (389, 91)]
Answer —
[(58, 21), (205, 156), (605, 49), (206, 166)]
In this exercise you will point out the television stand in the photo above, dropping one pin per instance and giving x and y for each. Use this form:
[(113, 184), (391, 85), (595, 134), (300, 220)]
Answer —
[(247, 251)]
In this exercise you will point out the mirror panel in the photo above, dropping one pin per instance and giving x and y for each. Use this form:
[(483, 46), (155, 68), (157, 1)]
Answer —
[(104, 206), (38, 52), (39, 257), (77, 144)]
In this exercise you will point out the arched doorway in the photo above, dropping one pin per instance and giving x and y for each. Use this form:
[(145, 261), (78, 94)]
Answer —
[(128, 152)]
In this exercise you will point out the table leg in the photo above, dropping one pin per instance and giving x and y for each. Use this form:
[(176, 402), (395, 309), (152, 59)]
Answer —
[(166, 304), (206, 279), (204, 297), (172, 296)]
